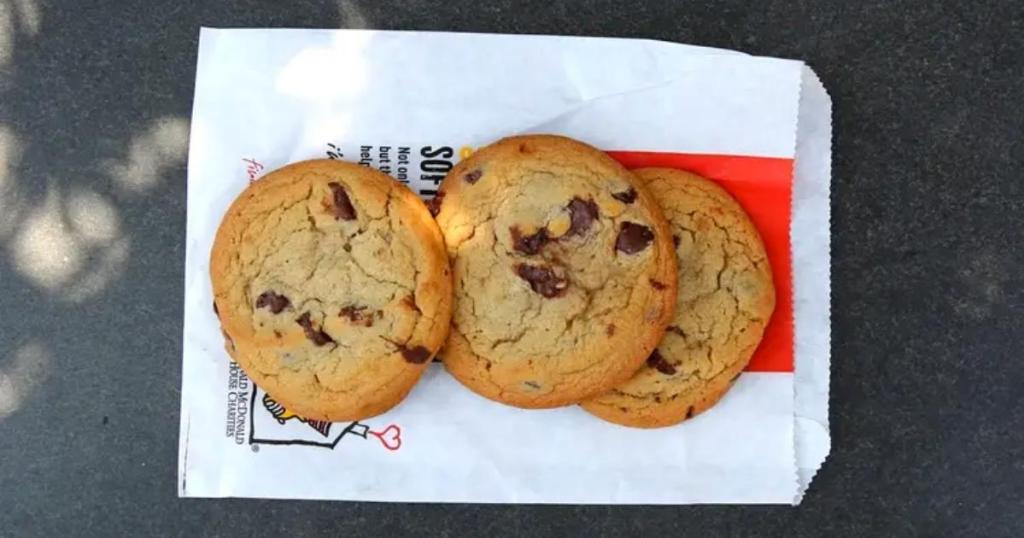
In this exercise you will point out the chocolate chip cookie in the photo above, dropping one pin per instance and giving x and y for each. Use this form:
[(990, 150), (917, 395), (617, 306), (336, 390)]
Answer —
[(726, 297), (564, 271), (333, 288)]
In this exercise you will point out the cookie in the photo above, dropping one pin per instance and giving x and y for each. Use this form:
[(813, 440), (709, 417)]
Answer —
[(332, 287), (726, 297), (564, 271)]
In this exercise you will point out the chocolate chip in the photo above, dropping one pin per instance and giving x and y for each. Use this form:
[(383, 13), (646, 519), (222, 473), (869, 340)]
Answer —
[(415, 355), (689, 412), (542, 279), (675, 240), (610, 329), (657, 399), (659, 363), (627, 197), (342, 204), (658, 285), (410, 301), (529, 244), (434, 204), (633, 238), (276, 303), (532, 384), (357, 315), (215, 311), (317, 336), (582, 213), (473, 176)]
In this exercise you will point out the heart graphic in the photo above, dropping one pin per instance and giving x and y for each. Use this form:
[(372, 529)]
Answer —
[(390, 437)]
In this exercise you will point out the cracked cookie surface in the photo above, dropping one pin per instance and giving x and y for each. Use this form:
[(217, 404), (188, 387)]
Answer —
[(564, 271), (726, 298), (333, 288)]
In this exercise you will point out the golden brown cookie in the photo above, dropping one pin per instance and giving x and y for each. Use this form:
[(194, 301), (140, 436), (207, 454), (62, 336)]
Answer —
[(564, 271), (332, 287), (726, 297)]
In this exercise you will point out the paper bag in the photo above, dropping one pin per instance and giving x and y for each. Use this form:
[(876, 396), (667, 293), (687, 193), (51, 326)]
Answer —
[(412, 104)]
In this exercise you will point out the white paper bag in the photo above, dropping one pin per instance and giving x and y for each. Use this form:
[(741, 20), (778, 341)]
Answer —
[(412, 104)]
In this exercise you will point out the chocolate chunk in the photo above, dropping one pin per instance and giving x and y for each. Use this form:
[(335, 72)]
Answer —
[(434, 204), (582, 213), (343, 208), (627, 197), (658, 285), (415, 355), (542, 279), (215, 311), (529, 244), (317, 336), (610, 329), (633, 238), (473, 176), (410, 301), (675, 240), (357, 315), (276, 303), (659, 363), (689, 412)]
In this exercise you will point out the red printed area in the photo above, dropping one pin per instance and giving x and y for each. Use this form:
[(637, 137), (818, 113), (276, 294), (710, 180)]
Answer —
[(763, 187)]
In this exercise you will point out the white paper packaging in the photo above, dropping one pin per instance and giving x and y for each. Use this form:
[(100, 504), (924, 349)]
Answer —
[(411, 103)]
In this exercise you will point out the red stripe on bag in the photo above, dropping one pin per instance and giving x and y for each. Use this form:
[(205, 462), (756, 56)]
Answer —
[(763, 186)]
